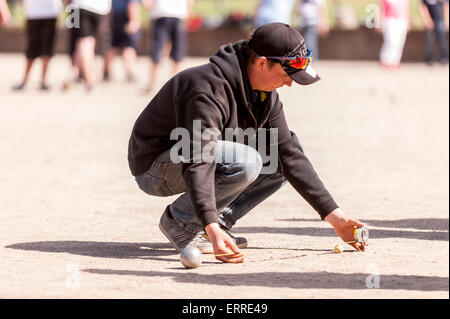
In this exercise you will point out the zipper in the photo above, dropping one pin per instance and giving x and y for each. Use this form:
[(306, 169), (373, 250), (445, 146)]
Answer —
[(253, 117)]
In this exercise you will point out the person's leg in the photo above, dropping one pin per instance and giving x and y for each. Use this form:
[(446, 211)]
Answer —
[(48, 41), (159, 38), (237, 167), (263, 187), (399, 39), (403, 36), (129, 58), (311, 38), (116, 41), (85, 46), (109, 57), (154, 70), (31, 52), (45, 64), (178, 40), (129, 54), (386, 48), (28, 66), (74, 71), (315, 41), (441, 34), (85, 59), (429, 46)]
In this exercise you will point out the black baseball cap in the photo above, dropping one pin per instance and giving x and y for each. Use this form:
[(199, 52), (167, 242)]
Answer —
[(280, 40)]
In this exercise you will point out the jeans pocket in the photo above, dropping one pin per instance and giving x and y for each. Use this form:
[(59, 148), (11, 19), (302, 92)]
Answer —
[(170, 174), (153, 185)]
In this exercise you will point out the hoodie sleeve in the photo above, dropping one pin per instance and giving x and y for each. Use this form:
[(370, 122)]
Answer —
[(297, 168), (201, 113)]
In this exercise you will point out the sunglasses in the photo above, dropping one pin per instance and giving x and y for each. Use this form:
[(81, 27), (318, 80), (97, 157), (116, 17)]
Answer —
[(299, 63)]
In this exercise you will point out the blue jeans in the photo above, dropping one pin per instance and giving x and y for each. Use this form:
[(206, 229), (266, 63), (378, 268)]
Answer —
[(239, 186), (439, 31)]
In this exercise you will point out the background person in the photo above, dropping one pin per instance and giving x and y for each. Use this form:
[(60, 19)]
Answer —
[(435, 16), (394, 15), (74, 74), (90, 14), (313, 21), (168, 24), (40, 30), (269, 11), (124, 25)]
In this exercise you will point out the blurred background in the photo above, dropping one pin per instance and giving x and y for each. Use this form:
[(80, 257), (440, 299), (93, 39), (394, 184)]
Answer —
[(215, 22), (377, 133)]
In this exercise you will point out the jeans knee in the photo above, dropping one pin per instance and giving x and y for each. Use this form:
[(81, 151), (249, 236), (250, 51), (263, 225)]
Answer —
[(239, 161), (242, 171), (251, 167)]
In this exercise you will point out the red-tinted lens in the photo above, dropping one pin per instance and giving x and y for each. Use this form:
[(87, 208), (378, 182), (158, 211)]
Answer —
[(299, 63)]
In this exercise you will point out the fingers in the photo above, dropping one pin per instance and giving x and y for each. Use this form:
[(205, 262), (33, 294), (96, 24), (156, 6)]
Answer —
[(356, 246), (231, 257), (230, 253), (359, 246), (356, 222), (232, 245)]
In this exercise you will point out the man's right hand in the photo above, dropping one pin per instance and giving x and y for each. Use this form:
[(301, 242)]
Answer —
[(223, 244)]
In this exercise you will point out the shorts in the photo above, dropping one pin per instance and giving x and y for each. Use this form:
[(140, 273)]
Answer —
[(41, 37), (89, 24), (119, 37), (174, 29), (72, 41)]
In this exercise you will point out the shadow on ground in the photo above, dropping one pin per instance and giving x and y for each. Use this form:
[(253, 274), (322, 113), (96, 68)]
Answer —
[(164, 252), (102, 249), (438, 226), (329, 232), (295, 280), (417, 223)]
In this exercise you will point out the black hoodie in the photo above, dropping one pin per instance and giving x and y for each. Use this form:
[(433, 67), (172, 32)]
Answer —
[(218, 94)]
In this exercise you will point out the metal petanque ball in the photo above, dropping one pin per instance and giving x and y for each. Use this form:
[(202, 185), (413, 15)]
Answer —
[(191, 257)]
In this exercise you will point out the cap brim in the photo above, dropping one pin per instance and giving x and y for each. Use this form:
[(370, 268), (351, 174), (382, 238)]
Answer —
[(303, 77)]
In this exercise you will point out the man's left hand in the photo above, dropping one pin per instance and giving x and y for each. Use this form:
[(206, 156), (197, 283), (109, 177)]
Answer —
[(345, 227)]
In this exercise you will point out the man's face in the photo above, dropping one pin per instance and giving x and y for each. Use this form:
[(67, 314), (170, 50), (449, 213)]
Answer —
[(270, 76)]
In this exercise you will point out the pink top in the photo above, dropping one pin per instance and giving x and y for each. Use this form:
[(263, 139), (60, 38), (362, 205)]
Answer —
[(397, 9)]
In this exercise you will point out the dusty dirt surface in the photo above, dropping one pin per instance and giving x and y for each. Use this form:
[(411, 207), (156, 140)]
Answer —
[(75, 225)]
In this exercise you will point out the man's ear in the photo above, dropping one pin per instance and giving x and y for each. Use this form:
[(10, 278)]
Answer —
[(261, 62)]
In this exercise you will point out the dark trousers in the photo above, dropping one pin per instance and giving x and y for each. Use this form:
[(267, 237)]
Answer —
[(171, 29), (439, 32)]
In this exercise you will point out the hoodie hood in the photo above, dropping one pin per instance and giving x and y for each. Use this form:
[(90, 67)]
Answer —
[(232, 62)]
